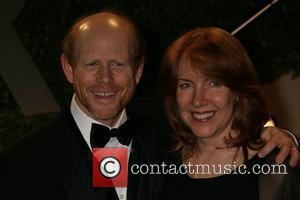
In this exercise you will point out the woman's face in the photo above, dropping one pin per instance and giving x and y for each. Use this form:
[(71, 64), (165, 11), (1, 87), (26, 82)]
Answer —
[(204, 104)]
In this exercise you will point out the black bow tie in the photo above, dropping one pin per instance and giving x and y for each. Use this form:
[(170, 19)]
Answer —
[(100, 135)]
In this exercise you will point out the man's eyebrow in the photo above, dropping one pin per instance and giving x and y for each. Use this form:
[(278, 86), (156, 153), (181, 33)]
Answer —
[(92, 61), (117, 60)]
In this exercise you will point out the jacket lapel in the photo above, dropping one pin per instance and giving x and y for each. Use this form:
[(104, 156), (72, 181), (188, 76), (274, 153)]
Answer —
[(72, 164)]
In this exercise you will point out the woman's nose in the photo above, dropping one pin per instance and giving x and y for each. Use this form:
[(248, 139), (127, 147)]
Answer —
[(200, 97)]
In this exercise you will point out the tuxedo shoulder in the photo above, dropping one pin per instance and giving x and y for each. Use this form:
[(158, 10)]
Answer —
[(146, 106), (152, 133), (151, 126)]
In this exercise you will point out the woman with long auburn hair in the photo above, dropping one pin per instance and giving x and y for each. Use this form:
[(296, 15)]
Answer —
[(216, 110)]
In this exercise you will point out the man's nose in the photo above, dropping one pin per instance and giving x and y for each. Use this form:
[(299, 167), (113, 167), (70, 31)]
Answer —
[(104, 75)]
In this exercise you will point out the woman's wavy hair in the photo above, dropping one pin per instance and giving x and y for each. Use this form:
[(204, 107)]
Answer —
[(218, 55)]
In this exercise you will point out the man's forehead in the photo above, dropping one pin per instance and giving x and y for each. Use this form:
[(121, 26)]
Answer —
[(102, 21), (101, 26)]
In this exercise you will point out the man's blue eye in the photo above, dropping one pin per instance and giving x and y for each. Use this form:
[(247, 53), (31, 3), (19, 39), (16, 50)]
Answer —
[(116, 64), (92, 64)]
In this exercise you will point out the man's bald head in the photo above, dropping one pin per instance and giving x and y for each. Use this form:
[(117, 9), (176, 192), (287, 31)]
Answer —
[(102, 22)]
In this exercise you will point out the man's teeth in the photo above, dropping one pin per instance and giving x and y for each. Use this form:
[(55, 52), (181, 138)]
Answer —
[(203, 116), (104, 94)]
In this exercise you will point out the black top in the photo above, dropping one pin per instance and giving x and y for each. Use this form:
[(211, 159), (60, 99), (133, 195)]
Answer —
[(233, 186)]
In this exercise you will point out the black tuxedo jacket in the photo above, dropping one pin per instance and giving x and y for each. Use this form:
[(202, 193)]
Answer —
[(52, 163)]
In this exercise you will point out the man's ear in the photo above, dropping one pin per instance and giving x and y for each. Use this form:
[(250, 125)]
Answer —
[(139, 72), (67, 68)]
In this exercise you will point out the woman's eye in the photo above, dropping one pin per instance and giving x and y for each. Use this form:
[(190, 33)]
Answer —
[(184, 85), (215, 83)]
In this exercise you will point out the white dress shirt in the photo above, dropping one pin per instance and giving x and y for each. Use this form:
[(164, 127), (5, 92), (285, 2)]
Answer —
[(84, 123)]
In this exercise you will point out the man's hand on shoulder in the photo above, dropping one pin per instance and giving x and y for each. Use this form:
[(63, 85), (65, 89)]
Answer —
[(278, 138)]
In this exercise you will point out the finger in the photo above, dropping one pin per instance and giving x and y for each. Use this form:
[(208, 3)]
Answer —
[(283, 153), (269, 146), (267, 133), (295, 157)]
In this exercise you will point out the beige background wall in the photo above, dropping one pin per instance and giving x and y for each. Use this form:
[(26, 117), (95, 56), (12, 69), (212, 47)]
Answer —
[(283, 98)]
